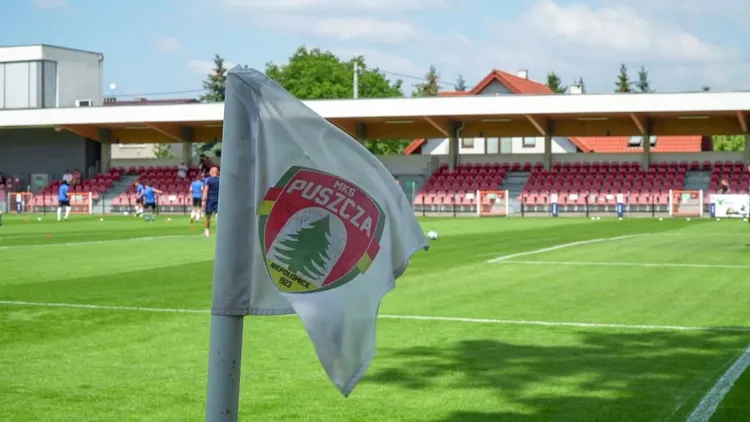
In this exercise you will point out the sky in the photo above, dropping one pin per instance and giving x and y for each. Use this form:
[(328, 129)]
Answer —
[(164, 48)]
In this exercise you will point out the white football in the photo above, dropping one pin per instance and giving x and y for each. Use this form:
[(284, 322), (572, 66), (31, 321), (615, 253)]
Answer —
[(620, 218), (688, 219), (718, 219), (432, 234), (661, 219), (125, 213), (598, 218), (39, 219)]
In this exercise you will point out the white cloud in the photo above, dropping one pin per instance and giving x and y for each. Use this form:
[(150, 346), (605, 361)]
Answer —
[(321, 6), (50, 4), (204, 67), (167, 44), (578, 40), (345, 28), (616, 32)]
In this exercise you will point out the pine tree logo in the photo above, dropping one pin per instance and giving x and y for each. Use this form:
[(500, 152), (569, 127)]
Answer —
[(317, 231), (306, 252)]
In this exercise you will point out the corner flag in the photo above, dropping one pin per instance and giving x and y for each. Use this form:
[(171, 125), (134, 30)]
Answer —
[(311, 223)]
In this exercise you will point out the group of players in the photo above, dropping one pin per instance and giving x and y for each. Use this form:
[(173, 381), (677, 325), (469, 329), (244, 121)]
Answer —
[(203, 190)]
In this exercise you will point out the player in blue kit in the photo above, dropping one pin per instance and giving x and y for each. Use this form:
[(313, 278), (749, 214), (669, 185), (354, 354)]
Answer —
[(63, 200), (196, 192), (138, 198), (149, 200), (211, 197)]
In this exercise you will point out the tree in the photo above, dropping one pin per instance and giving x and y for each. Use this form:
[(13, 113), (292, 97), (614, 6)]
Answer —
[(215, 85), (460, 84), (315, 74), (555, 84), (580, 83), (729, 143), (306, 251), (623, 80), (216, 82), (643, 84), (705, 88), (430, 87), (163, 151)]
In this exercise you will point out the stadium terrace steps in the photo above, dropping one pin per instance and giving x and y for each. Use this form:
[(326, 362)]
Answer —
[(117, 189), (175, 197), (578, 182)]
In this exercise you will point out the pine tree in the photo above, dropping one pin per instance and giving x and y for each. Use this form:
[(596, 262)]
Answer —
[(430, 87), (216, 82), (705, 88), (460, 84), (555, 84), (643, 84), (623, 80), (306, 252)]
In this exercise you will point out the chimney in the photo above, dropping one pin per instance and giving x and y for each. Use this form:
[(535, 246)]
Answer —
[(523, 74), (575, 89)]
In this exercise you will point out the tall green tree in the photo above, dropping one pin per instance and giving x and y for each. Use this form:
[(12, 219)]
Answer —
[(555, 83), (163, 151), (460, 84), (623, 84), (580, 83), (643, 84), (705, 88), (729, 143), (430, 87), (215, 83), (312, 73)]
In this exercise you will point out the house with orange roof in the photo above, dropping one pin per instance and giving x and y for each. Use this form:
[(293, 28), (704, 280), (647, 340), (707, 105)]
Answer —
[(499, 82)]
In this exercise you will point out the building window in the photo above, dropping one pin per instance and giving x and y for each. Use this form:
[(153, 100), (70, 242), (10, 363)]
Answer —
[(49, 84), (529, 142), (493, 145), (17, 85), (29, 84), (467, 143), (2, 85)]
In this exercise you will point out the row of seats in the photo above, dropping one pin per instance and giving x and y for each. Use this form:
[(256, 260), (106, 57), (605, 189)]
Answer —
[(575, 182)]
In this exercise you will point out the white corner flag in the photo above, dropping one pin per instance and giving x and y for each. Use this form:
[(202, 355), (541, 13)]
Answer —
[(311, 223)]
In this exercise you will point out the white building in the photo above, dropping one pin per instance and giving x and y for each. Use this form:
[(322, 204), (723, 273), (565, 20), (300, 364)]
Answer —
[(496, 83), (45, 76)]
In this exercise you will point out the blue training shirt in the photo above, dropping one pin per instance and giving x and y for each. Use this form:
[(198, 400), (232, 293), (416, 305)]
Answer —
[(62, 192), (150, 195), (213, 188), (197, 189), (139, 189)]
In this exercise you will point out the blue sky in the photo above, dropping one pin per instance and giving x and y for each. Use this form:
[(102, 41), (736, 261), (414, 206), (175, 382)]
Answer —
[(158, 46)]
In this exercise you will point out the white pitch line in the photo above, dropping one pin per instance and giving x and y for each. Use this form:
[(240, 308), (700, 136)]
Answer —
[(593, 325), (563, 246), (709, 403), (631, 264), (97, 242)]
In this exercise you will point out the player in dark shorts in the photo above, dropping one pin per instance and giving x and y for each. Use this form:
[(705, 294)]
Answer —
[(211, 197), (149, 195), (63, 201), (196, 192), (139, 201)]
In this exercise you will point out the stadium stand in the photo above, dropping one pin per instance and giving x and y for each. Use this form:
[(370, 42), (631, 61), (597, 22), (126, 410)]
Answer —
[(577, 183), (175, 198)]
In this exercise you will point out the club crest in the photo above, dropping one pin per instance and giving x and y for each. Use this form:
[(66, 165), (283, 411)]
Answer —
[(317, 231)]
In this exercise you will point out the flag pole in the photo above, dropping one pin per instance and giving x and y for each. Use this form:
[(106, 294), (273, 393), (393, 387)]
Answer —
[(225, 348), (224, 365)]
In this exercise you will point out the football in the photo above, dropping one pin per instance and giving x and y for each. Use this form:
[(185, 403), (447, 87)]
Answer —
[(432, 234)]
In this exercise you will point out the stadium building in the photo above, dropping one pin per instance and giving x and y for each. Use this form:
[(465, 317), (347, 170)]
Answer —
[(507, 146)]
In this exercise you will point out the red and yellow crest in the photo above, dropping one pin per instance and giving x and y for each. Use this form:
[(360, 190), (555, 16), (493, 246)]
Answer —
[(317, 231)]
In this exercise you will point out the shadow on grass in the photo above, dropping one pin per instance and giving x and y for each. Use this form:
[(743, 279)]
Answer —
[(598, 376)]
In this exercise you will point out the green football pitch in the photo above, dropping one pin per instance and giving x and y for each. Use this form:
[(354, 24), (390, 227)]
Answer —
[(502, 319)]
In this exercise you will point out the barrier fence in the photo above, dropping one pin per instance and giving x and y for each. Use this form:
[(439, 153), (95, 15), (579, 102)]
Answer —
[(89, 203), (685, 203), (676, 203)]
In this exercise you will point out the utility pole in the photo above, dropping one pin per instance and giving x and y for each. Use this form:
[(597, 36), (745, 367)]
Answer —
[(356, 80)]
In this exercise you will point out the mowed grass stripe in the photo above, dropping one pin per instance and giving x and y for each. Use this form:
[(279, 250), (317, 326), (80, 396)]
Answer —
[(115, 364)]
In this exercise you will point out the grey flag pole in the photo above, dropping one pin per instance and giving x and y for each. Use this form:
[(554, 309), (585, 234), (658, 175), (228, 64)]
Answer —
[(224, 364), (225, 354)]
